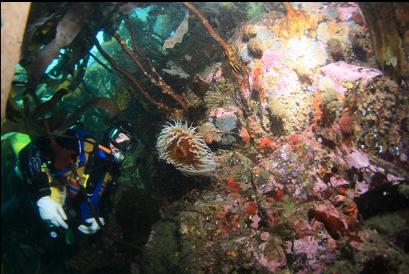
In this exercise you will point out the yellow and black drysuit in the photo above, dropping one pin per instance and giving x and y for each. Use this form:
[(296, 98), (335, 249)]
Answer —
[(80, 186)]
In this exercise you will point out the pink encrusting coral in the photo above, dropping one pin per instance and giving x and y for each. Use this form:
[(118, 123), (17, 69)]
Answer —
[(341, 71), (357, 159), (278, 79), (272, 263), (286, 195), (307, 245), (219, 112), (313, 250), (345, 13), (336, 181), (271, 59), (319, 186), (361, 187), (265, 236), (255, 221)]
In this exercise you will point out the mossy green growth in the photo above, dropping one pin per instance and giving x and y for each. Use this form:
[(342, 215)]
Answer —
[(289, 207), (392, 223), (255, 10), (332, 106), (329, 96), (227, 5)]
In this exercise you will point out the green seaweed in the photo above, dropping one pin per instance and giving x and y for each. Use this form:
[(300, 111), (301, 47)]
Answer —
[(255, 10)]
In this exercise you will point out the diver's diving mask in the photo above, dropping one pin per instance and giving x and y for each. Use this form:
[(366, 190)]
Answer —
[(122, 140)]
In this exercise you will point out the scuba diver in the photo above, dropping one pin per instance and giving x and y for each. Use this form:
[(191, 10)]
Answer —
[(71, 176)]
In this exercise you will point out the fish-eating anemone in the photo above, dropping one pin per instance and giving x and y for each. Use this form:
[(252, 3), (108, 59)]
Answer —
[(180, 145)]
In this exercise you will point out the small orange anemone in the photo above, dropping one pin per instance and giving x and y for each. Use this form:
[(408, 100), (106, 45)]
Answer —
[(266, 143), (317, 107), (251, 208), (208, 139), (346, 124), (244, 134), (231, 183)]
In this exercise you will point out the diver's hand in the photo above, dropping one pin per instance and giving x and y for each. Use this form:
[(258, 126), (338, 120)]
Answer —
[(92, 227), (52, 212)]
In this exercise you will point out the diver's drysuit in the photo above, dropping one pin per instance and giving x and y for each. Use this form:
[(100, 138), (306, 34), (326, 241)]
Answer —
[(79, 187)]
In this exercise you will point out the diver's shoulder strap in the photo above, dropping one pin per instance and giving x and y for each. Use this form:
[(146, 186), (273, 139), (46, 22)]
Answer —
[(83, 170), (89, 144)]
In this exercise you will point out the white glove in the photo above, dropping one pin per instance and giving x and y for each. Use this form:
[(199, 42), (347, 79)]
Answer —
[(52, 212), (92, 227)]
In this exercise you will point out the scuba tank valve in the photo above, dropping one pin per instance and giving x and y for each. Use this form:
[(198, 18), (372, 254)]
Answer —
[(117, 155)]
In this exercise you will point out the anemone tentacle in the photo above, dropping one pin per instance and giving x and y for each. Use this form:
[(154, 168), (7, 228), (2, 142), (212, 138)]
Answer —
[(180, 145)]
